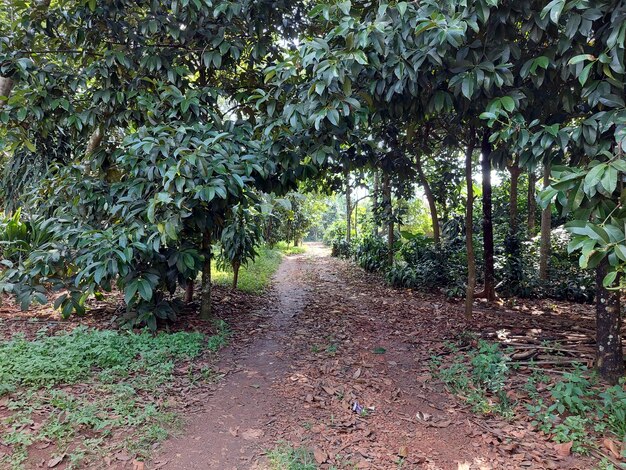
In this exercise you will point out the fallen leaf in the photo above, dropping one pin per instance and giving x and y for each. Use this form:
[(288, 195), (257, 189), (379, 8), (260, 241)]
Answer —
[(564, 449), (319, 455), (403, 452), (122, 456), (55, 461), (234, 432), (441, 424), (251, 434), (138, 465), (464, 466), (357, 373), (613, 447)]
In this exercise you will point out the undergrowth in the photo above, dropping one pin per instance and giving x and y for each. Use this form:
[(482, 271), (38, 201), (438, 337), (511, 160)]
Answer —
[(286, 457), (570, 410), (256, 276), (87, 393)]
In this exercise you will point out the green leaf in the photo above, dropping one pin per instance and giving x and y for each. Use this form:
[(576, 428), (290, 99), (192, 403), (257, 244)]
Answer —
[(584, 75), (508, 103), (402, 6), (609, 279), (580, 58)]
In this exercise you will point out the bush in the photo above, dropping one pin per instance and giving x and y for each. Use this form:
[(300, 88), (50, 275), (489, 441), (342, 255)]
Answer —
[(518, 271), (341, 248), (425, 265), (372, 253)]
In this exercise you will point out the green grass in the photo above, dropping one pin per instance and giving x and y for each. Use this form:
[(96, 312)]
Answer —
[(286, 457), (255, 277), (79, 389), (287, 249)]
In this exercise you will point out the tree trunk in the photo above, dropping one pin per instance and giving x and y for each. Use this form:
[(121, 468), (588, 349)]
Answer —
[(546, 222), (515, 172), (356, 220), (469, 232), (189, 291), (375, 200), (532, 202), (388, 217), (236, 266), (6, 85), (348, 209), (609, 352), (94, 141), (489, 292), (205, 304), (431, 200)]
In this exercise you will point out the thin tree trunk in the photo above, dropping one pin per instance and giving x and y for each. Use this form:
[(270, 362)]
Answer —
[(375, 200), (489, 292), (515, 172), (94, 141), (388, 217), (6, 86), (431, 200), (546, 222), (189, 291), (356, 220), (469, 232), (532, 202), (609, 351), (205, 304), (348, 209), (236, 267)]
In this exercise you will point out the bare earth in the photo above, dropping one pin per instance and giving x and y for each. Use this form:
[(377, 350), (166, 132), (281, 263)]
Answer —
[(335, 335)]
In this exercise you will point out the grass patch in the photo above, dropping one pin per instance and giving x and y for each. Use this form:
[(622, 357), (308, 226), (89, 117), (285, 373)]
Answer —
[(255, 277), (89, 393), (289, 250), (286, 457)]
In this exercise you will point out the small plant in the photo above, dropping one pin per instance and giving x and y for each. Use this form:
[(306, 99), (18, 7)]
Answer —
[(287, 457)]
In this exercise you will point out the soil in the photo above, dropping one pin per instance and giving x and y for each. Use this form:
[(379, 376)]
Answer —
[(334, 336)]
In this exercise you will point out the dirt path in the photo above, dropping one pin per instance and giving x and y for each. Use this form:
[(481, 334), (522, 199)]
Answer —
[(336, 336)]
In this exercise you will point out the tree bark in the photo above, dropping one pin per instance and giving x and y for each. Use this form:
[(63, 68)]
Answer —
[(609, 352), (6, 86), (532, 202), (431, 200), (356, 220), (546, 222), (515, 172), (236, 267), (189, 291), (489, 292), (348, 209), (375, 200), (388, 218), (205, 304), (469, 232), (94, 141)]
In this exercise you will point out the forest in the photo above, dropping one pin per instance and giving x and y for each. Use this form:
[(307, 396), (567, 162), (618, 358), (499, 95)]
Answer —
[(284, 234)]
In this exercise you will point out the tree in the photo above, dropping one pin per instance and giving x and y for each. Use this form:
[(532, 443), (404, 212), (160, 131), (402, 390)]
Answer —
[(138, 161)]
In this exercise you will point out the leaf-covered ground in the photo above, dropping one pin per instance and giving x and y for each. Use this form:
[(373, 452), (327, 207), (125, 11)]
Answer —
[(331, 370), (335, 339)]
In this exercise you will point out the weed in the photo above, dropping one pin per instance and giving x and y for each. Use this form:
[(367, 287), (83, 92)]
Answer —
[(286, 457), (110, 381)]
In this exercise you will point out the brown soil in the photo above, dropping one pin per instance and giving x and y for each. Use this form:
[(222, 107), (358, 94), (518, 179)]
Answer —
[(334, 336)]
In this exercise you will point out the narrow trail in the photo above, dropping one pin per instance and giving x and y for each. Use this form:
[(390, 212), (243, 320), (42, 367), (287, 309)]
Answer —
[(336, 335)]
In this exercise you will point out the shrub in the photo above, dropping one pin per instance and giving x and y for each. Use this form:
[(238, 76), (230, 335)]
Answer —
[(372, 253), (341, 248)]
